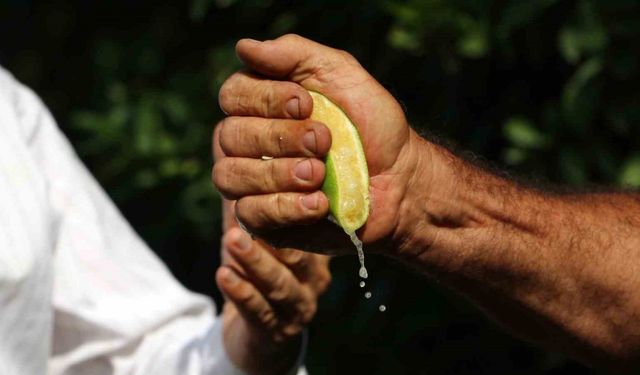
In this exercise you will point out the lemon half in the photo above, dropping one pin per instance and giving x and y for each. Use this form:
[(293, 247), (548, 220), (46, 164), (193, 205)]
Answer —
[(346, 182)]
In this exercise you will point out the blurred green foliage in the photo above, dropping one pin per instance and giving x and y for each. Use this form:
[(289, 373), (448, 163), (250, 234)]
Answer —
[(545, 88)]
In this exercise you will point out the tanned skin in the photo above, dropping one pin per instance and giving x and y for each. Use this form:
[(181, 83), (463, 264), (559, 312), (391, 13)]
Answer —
[(562, 271)]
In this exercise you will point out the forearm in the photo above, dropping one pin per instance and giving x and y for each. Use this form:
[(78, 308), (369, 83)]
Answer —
[(562, 270)]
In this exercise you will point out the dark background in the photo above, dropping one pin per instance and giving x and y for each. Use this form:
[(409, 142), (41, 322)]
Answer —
[(545, 89)]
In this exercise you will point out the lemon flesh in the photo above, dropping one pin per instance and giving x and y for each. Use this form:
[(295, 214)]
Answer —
[(346, 182)]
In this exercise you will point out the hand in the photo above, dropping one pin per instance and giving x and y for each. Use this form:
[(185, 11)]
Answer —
[(268, 111), (270, 296)]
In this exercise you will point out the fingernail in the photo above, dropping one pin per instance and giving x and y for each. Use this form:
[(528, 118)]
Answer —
[(293, 107), (303, 170), (310, 201), (309, 141), (230, 277), (251, 40)]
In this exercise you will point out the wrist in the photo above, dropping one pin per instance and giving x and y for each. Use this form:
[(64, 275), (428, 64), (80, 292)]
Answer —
[(450, 206), (426, 203), (257, 352)]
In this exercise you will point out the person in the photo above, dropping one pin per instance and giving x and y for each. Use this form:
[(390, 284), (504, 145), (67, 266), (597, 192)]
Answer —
[(559, 269), (81, 293)]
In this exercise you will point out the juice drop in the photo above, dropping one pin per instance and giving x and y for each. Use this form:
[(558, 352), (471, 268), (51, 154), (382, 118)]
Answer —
[(382, 308)]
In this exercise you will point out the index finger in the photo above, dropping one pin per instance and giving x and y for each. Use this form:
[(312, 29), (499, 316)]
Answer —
[(272, 278)]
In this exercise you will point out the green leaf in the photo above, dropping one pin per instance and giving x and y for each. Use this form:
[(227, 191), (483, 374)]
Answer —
[(575, 87), (587, 36), (169, 168), (403, 39), (146, 127), (630, 172), (569, 45), (404, 13), (521, 132), (474, 42), (176, 108)]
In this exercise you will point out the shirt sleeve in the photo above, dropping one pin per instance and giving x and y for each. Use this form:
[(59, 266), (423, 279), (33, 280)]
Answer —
[(116, 307)]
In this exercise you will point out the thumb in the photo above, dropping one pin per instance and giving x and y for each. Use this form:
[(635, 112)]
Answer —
[(296, 59)]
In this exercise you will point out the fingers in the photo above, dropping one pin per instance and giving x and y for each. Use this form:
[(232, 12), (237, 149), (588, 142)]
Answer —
[(239, 177), (251, 304), (228, 215), (264, 212), (267, 294), (290, 56), (244, 94), (273, 279), (254, 137)]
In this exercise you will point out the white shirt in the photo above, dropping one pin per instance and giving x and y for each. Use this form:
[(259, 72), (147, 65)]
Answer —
[(80, 292)]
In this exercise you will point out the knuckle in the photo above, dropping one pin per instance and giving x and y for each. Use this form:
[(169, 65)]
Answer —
[(275, 136), (290, 331), (280, 207), (215, 134), (324, 280), (224, 126), (261, 217), (300, 262), (225, 95), (295, 259), (219, 174), (291, 37), (280, 291), (230, 134), (345, 55), (272, 212), (267, 318), (245, 214), (223, 177), (271, 177), (253, 257), (308, 312), (268, 101), (245, 297)]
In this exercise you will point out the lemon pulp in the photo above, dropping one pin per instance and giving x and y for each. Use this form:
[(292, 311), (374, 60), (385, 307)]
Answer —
[(346, 182)]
